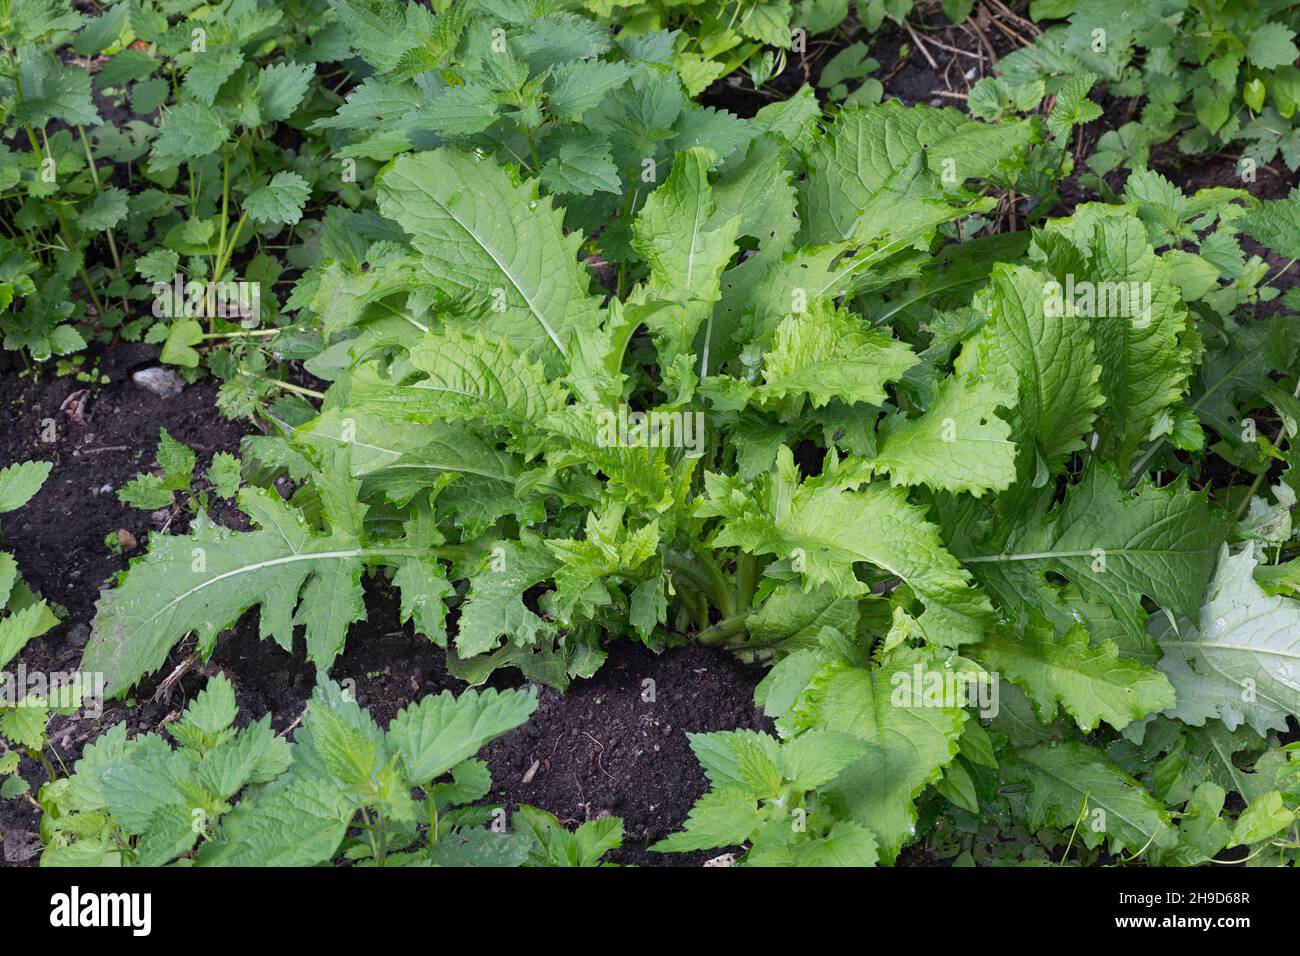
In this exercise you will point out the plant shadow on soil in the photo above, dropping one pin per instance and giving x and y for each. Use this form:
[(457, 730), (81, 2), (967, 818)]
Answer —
[(611, 745)]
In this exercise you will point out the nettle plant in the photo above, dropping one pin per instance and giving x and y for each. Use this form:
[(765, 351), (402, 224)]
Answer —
[(591, 115), (147, 215), (1213, 74), (24, 712), (342, 791), (762, 38), (156, 490)]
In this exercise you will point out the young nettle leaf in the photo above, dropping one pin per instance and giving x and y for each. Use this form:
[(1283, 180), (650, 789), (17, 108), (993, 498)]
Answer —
[(151, 491), (279, 201), (438, 733), (1276, 224), (53, 91), (556, 846), (138, 802), (763, 795), (27, 615), (224, 474), (20, 482), (191, 131)]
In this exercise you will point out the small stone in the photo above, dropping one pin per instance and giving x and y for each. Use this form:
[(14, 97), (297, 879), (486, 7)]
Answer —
[(79, 635), (20, 845), (126, 539), (163, 382)]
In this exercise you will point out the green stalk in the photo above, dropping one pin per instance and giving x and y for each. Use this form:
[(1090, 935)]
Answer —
[(706, 577), (287, 386), (746, 573), (722, 596), (1259, 479), (225, 218), (58, 208), (724, 630), (223, 259), (94, 174), (246, 333), (433, 817), (39, 756)]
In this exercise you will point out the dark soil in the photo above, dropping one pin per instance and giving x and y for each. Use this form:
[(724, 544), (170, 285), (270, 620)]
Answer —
[(615, 744)]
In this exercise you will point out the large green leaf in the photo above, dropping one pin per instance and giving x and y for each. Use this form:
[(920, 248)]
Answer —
[(494, 246), (1049, 357), (904, 748), (1091, 682), (204, 581), (1074, 785), (1238, 659)]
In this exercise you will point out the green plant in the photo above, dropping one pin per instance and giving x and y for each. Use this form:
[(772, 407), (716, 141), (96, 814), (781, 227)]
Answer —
[(1004, 488), (343, 790), (136, 210), (151, 491), (447, 454), (27, 616), (1212, 74), (837, 787)]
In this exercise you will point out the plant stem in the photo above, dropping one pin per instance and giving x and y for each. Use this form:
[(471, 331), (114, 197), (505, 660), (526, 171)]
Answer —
[(725, 629), (705, 576), (287, 386), (433, 816), (58, 208), (39, 756), (246, 333), (722, 596), (1259, 479), (746, 572), (94, 174)]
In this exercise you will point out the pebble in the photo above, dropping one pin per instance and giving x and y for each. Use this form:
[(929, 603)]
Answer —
[(163, 382)]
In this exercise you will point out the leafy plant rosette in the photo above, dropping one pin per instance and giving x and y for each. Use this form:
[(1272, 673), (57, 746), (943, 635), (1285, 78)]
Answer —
[(807, 428)]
